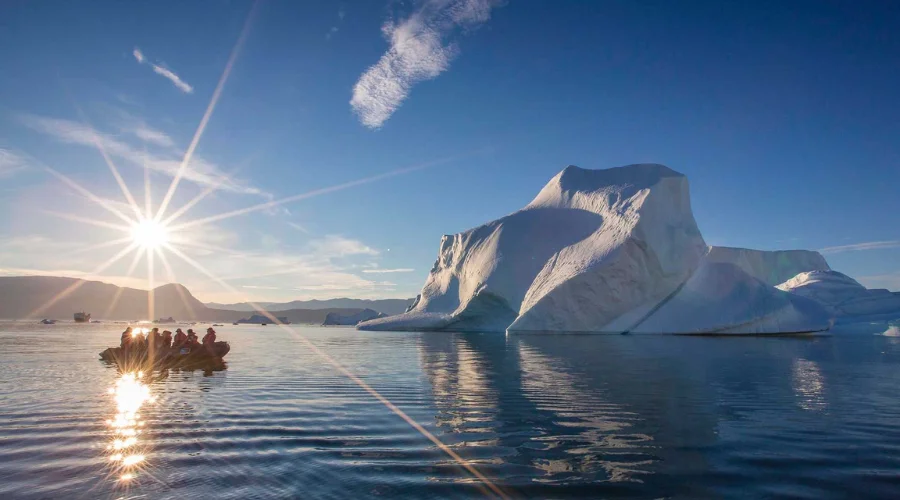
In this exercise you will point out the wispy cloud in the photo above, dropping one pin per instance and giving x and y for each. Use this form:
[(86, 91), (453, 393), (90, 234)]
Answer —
[(298, 227), (385, 271), (869, 245), (334, 29), (12, 163), (163, 71), (148, 134), (339, 246), (421, 48), (168, 161)]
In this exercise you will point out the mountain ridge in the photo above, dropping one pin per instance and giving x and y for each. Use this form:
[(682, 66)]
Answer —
[(387, 306), (57, 297)]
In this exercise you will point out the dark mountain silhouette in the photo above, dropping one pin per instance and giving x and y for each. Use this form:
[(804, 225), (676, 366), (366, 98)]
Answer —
[(386, 306), (24, 297)]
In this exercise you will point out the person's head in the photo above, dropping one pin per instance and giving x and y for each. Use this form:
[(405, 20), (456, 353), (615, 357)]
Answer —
[(210, 330), (128, 330), (155, 330), (190, 331), (178, 330), (167, 332)]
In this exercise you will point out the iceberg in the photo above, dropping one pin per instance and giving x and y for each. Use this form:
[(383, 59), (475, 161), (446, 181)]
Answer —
[(608, 251), (334, 318), (843, 296)]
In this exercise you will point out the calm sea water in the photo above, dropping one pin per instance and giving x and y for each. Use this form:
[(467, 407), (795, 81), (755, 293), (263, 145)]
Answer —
[(538, 416)]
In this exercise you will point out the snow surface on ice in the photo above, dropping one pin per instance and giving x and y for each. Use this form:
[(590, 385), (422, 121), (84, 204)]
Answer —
[(843, 296), (770, 267), (608, 251)]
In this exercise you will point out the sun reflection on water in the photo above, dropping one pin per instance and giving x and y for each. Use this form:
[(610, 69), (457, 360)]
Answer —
[(126, 452)]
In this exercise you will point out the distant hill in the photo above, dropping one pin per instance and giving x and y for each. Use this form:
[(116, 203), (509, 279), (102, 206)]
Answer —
[(386, 306), (22, 296)]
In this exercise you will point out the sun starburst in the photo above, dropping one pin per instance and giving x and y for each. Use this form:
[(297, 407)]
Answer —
[(149, 234)]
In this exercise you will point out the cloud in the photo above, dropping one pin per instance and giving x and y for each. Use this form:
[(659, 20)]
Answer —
[(419, 51), (334, 29), (163, 71), (151, 135), (334, 245), (199, 171), (12, 163), (298, 227), (383, 271), (175, 79), (869, 245)]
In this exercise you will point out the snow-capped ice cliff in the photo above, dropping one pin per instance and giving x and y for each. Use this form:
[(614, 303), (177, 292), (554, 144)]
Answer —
[(615, 251)]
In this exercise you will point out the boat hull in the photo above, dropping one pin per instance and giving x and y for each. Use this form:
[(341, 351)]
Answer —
[(185, 358)]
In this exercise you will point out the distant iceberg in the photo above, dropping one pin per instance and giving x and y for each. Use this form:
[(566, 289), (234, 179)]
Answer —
[(610, 251), (334, 318)]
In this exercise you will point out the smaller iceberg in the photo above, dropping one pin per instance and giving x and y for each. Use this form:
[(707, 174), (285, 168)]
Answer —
[(845, 298), (334, 318)]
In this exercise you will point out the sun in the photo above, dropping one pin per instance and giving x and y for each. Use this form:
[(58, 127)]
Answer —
[(149, 233)]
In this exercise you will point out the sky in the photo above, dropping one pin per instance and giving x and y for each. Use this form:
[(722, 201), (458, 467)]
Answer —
[(358, 133)]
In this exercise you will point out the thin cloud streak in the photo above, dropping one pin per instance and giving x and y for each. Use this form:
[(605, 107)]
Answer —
[(316, 192), (202, 172), (11, 163), (385, 271), (419, 51), (856, 247), (164, 72)]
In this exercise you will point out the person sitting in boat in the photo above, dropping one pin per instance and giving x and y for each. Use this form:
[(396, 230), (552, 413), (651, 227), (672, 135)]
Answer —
[(180, 338), (138, 341), (166, 339), (154, 339), (209, 340), (192, 339), (210, 337), (126, 338)]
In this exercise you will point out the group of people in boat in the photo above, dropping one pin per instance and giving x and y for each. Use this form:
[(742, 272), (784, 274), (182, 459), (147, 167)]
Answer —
[(155, 340)]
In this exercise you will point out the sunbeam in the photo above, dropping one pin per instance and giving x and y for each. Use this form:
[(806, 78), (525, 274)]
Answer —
[(197, 199), (148, 202), (308, 194), (206, 115), (119, 290), (151, 295), (98, 246), (170, 276), (98, 223), (91, 196), (109, 163)]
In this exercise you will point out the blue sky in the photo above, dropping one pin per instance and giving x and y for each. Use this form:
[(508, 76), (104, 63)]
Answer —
[(783, 116)]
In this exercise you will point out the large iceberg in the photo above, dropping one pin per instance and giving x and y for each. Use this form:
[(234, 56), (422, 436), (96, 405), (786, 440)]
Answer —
[(613, 251)]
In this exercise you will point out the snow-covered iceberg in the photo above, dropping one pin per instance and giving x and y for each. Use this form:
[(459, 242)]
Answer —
[(613, 250), (844, 297)]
